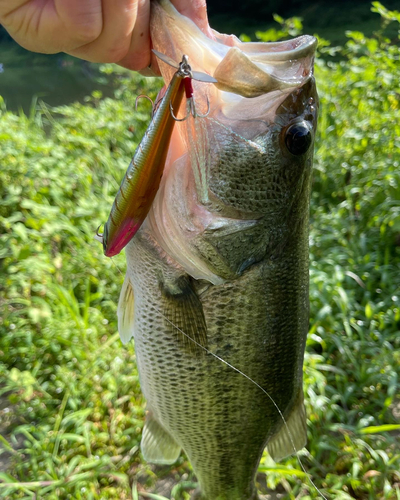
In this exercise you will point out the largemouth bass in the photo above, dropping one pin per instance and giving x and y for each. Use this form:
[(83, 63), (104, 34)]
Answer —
[(219, 269)]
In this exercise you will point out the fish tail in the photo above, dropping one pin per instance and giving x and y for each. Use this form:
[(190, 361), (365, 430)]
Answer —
[(199, 495)]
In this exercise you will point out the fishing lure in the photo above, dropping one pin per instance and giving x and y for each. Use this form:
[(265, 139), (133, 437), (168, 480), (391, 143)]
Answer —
[(142, 178)]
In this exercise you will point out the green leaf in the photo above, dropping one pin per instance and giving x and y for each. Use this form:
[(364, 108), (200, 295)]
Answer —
[(152, 495), (376, 429)]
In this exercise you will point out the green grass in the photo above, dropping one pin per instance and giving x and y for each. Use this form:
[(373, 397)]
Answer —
[(70, 396)]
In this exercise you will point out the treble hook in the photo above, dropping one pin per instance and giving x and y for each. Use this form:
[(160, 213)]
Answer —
[(99, 236), (175, 118), (191, 105), (193, 109), (156, 104), (145, 97)]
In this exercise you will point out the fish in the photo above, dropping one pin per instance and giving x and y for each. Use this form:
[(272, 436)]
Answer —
[(216, 289), (142, 178)]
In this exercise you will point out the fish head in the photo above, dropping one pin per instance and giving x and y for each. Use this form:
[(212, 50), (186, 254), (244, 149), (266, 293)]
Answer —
[(260, 165), (250, 158)]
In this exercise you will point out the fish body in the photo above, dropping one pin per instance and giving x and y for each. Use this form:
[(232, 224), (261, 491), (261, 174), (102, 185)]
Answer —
[(219, 269)]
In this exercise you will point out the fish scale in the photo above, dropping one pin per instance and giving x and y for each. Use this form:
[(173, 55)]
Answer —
[(207, 426)]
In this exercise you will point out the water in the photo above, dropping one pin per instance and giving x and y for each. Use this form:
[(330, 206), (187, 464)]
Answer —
[(56, 79)]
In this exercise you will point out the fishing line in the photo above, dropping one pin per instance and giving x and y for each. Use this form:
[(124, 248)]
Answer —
[(262, 389), (253, 382), (118, 269)]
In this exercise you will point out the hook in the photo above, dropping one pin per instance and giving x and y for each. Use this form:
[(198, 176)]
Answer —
[(191, 110), (179, 119), (99, 236), (149, 99), (157, 103), (195, 113)]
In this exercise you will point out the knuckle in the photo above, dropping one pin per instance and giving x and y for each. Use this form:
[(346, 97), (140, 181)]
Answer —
[(86, 24), (87, 33)]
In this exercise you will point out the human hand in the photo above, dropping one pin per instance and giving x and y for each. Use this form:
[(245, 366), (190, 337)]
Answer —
[(96, 30)]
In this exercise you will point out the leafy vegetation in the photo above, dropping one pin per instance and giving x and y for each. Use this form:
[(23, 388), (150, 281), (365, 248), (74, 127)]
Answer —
[(70, 405)]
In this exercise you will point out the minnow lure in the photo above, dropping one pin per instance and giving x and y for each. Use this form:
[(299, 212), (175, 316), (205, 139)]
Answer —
[(142, 178)]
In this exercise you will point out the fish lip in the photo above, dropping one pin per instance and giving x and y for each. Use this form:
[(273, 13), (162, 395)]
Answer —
[(303, 46), (283, 50), (253, 69)]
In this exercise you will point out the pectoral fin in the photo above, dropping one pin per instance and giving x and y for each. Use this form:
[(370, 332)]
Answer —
[(125, 311), (183, 310), (281, 444), (158, 447)]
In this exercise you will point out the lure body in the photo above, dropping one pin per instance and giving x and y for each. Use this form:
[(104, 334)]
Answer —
[(142, 178)]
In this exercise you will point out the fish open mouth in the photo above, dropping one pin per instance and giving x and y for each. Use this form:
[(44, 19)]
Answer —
[(252, 69), (248, 69), (286, 50)]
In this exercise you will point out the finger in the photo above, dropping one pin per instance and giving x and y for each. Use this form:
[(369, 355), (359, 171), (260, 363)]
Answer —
[(112, 45), (138, 56), (82, 22), (7, 7), (196, 10), (53, 26)]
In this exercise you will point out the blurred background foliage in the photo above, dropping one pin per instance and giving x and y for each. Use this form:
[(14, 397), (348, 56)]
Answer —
[(71, 411), (61, 79)]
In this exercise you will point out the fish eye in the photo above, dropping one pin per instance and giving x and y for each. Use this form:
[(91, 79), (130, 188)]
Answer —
[(298, 138)]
